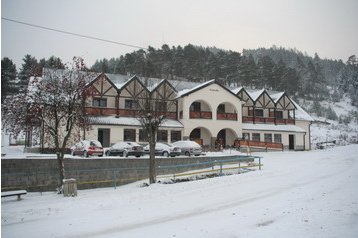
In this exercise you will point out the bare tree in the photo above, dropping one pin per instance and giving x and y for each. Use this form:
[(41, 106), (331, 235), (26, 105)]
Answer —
[(156, 106), (54, 105)]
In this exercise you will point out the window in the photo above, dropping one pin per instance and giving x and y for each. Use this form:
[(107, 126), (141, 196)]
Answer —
[(256, 136), (162, 136), (175, 136), (279, 114), (160, 106), (277, 138), (99, 102), (195, 107), (143, 135), (246, 136), (259, 113), (130, 104), (221, 108), (268, 137), (129, 135)]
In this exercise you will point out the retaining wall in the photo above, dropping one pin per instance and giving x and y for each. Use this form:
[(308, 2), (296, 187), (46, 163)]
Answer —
[(42, 174)]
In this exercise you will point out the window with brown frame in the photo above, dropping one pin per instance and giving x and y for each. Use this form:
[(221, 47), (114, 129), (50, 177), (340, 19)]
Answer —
[(99, 102), (129, 135)]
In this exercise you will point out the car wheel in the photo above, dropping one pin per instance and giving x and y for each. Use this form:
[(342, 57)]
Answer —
[(187, 153), (108, 153), (165, 154), (85, 154), (125, 154)]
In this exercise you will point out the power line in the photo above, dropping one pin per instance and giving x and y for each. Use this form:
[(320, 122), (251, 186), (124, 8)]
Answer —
[(72, 33)]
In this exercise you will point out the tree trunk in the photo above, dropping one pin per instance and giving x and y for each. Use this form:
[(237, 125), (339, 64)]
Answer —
[(152, 172), (61, 167)]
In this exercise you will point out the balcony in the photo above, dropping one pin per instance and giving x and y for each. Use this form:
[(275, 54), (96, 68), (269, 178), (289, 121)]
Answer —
[(267, 120), (227, 116), (100, 111), (260, 144), (200, 115), (97, 111)]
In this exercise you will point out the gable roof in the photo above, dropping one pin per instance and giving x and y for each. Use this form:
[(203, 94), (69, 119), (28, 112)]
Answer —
[(125, 84), (186, 92)]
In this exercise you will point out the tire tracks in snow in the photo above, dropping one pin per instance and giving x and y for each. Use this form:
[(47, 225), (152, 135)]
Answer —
[(268, 193)]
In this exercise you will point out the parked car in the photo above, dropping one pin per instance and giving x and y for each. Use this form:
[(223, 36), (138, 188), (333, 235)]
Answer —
[(87, 148), (164, 149), (188, 147), (125, 149)]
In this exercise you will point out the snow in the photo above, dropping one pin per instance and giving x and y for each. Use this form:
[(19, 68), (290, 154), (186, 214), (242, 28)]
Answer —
[(269, 127), (186, 91), (301, 114), (255, 94), (236, 90), (296, 194), (276, 96), (129, 121)]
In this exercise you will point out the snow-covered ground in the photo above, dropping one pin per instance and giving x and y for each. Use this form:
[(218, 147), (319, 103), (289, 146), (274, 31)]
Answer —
[(297, 194)]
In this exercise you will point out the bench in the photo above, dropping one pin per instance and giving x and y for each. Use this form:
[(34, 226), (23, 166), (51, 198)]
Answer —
[(17, 193)]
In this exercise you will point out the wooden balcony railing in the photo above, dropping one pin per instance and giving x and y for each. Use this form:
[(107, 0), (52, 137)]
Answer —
[(268, 120), (101, 111), (261, 144), (200, 115), (96, 111), (226, 116)]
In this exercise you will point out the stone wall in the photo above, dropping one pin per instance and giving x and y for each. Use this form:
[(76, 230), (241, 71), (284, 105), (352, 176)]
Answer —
[(42, 174)]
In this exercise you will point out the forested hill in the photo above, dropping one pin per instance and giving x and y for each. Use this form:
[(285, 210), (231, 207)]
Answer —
[(275, 68)]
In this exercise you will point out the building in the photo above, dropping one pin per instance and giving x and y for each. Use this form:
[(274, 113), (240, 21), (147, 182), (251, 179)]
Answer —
[(209, 113)]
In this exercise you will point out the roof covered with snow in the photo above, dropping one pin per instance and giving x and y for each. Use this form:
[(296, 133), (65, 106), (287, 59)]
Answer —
[(129, 121), (301, 114)]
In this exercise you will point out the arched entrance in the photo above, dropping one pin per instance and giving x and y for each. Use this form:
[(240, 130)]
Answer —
[(201, 135), (225, 138)]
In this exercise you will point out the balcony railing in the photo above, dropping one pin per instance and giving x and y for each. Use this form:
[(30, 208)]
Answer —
[(101, 111), (200, 115), (268, 120), (96, 111), (226, 116), (261, 144)]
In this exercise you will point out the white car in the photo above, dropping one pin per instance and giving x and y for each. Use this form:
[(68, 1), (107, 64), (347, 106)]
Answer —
[(125, 149), (163, 149), (188, 147)]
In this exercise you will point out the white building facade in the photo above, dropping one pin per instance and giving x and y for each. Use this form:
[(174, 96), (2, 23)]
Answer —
[(209, 113)]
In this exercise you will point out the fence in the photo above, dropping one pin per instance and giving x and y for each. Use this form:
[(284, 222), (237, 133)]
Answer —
[(42, 174)]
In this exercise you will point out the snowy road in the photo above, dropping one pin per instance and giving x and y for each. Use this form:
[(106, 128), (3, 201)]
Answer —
[(311, 194)]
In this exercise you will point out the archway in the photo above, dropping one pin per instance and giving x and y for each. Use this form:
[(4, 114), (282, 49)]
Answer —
[(200, 109), (201, 135), (225, 137)]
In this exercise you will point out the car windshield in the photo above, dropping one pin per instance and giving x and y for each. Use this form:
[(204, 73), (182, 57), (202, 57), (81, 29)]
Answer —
[(95, 143)]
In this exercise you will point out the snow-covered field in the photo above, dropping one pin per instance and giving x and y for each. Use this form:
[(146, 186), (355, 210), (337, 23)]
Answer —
[(297, 194)]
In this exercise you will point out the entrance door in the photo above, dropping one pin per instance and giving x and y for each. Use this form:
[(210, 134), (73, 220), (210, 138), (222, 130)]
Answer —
[(222, 138), (291, 142), (103, 137)]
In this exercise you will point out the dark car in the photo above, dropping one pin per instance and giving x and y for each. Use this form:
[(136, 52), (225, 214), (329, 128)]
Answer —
[(125, 149), (163, 149), (87, 148)]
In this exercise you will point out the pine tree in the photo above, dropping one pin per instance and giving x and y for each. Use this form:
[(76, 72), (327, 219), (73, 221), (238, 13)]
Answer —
[(30, 67), (8, 77)]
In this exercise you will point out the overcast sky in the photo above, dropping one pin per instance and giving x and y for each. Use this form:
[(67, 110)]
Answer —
[(328, 27)]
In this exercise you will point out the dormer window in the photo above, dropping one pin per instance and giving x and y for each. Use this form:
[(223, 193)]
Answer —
[(99, 102)]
